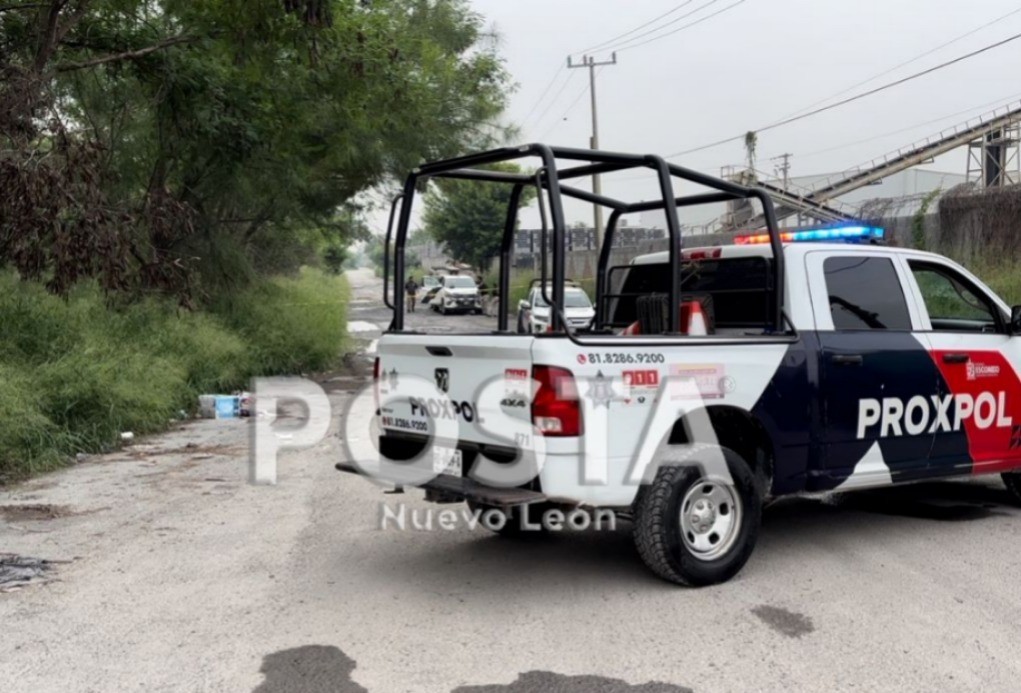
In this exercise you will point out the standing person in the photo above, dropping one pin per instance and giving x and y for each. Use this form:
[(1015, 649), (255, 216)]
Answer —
[(410, 289)]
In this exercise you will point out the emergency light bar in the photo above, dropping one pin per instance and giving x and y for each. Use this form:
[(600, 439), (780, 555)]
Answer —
[(845, 234)]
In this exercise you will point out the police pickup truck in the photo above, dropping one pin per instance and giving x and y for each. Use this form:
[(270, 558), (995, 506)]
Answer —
[(808, 361)]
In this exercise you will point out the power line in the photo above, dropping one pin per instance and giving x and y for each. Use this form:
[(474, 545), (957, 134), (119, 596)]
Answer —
[(545, 91), (870, 92), (639, 28), (908, 62), (661, 26), (681, 28), (570, 108), (604, 43), (559, 92)]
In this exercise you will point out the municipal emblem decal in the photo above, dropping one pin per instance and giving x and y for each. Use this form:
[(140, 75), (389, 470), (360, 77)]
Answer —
[(443, 379)]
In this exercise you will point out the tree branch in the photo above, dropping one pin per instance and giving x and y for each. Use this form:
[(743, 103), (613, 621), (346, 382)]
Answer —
[(128, 55), (24, 6)]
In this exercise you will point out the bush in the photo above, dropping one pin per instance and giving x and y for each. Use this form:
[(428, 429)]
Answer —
[(291, 325), (74, 374), (29, 441), (1002, 276)]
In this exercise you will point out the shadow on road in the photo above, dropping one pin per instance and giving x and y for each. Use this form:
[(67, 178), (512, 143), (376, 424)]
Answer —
[(309, 669), (481, 564), (534, 681)]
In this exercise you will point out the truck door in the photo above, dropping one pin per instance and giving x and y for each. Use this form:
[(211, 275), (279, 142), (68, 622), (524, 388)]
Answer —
[(874, 370), (977, 358)]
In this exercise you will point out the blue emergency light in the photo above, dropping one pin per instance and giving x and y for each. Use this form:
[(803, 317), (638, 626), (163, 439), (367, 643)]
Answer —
[(839, 234)]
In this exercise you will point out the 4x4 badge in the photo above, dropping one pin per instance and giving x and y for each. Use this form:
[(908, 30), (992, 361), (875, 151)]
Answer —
[(443, 379)]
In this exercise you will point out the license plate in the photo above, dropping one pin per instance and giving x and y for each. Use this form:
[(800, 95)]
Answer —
[(446, 460)]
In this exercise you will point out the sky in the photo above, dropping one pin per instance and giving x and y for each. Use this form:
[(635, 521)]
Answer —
[(751, 65)]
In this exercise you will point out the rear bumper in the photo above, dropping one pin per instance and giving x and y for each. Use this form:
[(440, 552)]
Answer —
[(559, 481), (455, 488)]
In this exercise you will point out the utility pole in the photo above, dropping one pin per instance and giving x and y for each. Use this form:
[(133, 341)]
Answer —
[(591, 64), (784, 169)]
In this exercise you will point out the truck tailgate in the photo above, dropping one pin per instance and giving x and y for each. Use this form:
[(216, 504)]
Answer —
[(485, 378)]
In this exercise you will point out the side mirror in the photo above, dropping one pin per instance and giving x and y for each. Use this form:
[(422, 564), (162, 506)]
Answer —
[(522, 304), (1015, 320)]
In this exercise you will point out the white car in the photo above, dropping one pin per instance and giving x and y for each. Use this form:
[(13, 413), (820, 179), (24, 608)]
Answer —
[(458, 294), (534, 311)]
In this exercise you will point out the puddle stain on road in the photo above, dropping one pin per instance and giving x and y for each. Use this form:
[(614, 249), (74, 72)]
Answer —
[(789, 623)]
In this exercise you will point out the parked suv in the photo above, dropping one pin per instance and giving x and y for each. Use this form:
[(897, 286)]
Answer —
[(458, 294), (534, 311)]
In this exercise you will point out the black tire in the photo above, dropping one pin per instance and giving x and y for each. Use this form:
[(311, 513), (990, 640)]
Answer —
[(657, 521), (1012, 480), (513, 527), (521, 323), (443, 309)]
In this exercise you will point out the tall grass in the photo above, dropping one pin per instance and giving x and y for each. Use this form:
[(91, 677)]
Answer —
[(75, 373), (1002, 276)]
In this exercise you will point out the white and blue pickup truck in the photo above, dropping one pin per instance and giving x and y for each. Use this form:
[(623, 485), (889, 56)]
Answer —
[(809, 361)]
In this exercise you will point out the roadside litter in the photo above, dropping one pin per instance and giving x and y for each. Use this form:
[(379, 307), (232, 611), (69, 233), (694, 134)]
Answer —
[(225, 406), (18, 571)]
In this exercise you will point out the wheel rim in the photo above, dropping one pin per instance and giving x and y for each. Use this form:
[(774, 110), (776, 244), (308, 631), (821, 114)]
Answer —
[(710, 519)]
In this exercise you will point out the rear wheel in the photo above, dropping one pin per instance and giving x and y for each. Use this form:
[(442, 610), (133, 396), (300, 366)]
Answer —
[(1012, 480), (696, 530), (521, 323)]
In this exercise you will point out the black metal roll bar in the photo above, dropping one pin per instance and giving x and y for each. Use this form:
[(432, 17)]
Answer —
[(548, 180)]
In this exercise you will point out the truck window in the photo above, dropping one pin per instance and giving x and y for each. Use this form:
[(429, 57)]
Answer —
[(953, 305), (865, 294), (739, 287)]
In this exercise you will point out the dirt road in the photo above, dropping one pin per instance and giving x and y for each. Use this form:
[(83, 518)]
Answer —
[(182, 577)]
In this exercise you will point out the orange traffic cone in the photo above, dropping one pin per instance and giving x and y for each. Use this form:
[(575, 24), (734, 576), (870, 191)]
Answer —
[(697, 326)]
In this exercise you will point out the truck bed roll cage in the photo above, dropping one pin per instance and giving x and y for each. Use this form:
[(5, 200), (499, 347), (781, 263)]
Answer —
[(549, 178)]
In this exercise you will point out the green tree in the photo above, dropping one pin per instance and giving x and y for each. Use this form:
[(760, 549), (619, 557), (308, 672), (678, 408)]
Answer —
[(188, 146), (374, 254), (468, 217)]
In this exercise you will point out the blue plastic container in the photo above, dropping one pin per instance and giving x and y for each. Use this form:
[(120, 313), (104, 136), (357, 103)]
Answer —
[(227, 406)]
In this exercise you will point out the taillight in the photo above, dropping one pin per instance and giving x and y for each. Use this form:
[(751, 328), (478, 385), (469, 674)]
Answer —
[(375, 382), (556, 410)]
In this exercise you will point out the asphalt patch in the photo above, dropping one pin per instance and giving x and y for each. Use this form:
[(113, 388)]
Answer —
[(789, 623), (308, 669), (550, 682)]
